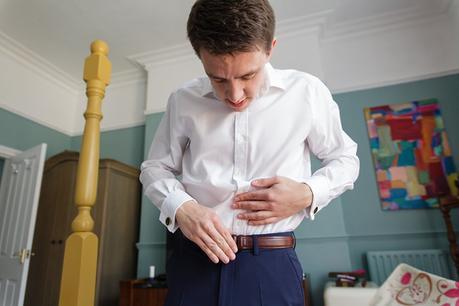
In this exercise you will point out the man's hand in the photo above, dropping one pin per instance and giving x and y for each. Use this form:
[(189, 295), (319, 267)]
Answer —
[(202, 226), (280, 198)]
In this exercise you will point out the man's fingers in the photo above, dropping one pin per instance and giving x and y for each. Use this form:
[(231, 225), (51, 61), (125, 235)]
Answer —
[(264, 221), (258, 215), (263, 194), (222, 244), (212, 256), (214, 246), (254, 205), (226, 234)]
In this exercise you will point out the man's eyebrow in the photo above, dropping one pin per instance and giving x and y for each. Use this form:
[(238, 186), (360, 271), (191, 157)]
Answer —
[(249, 73), (210, 75)]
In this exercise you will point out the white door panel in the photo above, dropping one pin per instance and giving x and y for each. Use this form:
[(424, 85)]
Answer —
[(19, 195)]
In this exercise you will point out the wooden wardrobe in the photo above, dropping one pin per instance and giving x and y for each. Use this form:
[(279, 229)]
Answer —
[(116, 223)]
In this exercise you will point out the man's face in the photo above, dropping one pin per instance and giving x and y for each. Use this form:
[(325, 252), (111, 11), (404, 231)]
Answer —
[(236, 78)]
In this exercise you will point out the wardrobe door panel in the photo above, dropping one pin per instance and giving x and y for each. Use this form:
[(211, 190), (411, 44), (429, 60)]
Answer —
[(120, 232), (116, 216)]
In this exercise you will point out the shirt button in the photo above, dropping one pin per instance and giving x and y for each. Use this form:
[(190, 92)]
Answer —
[(168, 221)]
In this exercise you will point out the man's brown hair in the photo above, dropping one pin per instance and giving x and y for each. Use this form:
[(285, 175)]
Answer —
[(229, 26)]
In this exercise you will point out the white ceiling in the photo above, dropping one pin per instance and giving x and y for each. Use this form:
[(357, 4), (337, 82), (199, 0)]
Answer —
[(60, 31)]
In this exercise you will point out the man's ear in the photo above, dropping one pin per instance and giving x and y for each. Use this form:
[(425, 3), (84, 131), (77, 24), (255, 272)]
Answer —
[(270, 52)]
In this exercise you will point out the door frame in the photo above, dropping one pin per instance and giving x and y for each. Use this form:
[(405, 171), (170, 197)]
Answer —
[(6, 152)]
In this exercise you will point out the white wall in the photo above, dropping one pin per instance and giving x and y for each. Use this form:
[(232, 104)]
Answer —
[(300, 52), (454, 20), (362, 54), (164, 78), (122, 107), (346, 57), (35, 89), (389, 56), (29, 88)]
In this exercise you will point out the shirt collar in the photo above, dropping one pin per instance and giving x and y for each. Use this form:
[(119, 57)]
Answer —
[(273, 79), (206, 88)]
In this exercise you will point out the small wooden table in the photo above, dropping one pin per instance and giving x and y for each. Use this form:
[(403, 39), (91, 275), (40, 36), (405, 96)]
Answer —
[(132, 294)]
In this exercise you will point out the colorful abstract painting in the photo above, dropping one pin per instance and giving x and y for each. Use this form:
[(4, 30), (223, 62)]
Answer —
[(412, 158)]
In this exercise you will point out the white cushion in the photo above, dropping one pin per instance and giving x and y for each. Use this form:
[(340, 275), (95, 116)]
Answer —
[(348, 296)]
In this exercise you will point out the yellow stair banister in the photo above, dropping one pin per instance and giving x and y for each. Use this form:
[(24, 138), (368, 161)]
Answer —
[(78, 280)]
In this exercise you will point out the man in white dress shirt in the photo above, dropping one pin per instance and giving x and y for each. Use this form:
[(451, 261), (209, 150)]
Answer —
[(241, 139)]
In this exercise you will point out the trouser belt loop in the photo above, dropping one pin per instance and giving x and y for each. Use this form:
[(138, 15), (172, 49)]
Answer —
[(256, 249)]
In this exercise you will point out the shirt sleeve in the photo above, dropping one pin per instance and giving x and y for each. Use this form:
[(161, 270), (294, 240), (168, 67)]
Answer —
[(164, 163), (333, 147)]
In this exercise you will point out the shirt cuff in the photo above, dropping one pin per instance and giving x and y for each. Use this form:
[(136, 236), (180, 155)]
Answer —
[(319, 188), (170, 205)]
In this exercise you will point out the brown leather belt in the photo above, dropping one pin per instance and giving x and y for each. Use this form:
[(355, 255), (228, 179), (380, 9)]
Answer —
[(264, 242)]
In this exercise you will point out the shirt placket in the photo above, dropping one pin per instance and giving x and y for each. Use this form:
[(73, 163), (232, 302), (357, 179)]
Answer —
[(240, 160)]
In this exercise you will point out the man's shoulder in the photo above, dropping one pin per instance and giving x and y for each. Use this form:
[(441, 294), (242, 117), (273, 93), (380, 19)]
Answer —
[(194, 87), (292, 76), (190, 96), (298, 76)]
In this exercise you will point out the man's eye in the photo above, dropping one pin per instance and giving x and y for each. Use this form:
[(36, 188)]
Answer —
[(248, 77), (219, 80)]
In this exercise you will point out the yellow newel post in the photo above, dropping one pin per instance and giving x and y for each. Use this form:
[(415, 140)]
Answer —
[(80, 259)]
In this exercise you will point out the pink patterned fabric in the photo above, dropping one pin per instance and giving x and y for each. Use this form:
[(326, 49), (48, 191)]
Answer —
[(410, 286)]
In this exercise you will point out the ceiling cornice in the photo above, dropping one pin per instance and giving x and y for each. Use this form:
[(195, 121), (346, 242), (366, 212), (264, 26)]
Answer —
[(317, 23), (312, 23), (36, 119), (391, 20), (6, 152), (150, 59), (184, 51), (46, 69), (128, 77), (34, 62)]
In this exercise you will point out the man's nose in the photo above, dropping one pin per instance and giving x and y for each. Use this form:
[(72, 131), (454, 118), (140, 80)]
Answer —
[(235, 91)]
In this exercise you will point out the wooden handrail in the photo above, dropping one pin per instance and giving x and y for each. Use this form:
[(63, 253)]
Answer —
[(78, 280)]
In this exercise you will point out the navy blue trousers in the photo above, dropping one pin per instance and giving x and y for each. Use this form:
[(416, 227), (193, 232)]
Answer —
[(258, 277)]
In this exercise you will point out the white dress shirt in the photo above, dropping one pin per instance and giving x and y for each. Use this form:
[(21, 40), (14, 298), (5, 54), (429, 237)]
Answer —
[(218, 151)]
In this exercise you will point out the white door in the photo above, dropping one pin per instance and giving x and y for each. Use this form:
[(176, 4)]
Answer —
[(19, 194)]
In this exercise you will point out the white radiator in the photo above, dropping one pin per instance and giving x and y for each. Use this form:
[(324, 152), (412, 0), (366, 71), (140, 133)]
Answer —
[(382, 263)]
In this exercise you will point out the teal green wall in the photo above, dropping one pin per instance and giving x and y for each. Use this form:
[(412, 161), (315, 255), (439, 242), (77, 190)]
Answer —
[(369, 227), (354, 223), (151, 246), (364, 199), (21, 134), (125, 145)]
